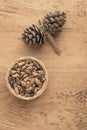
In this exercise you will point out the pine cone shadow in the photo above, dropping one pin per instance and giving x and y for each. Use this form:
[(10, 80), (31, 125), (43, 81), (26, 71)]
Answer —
[(30, 49)]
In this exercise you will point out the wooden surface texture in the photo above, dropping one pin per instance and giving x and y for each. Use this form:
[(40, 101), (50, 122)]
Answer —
[(63, 106)]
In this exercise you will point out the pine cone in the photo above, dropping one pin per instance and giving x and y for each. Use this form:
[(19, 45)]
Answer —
[(53, 22), (33, 35)]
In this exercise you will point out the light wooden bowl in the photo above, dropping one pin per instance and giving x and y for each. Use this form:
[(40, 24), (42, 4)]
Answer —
[(42, 88)]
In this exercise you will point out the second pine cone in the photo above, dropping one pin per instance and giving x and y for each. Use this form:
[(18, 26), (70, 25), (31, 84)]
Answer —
[(53, 22)]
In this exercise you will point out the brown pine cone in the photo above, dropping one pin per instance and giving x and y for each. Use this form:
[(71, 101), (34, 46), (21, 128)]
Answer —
[(53, 22), (33, 35)]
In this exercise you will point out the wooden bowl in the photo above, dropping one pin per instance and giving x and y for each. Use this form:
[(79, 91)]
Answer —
[(42, 88)]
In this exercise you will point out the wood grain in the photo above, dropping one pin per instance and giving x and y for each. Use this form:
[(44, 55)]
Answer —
[(64, 104)]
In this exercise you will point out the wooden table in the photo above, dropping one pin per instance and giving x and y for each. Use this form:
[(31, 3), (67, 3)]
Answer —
[(63, 106)]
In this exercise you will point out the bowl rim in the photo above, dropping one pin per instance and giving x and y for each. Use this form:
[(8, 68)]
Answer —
[(43, 88)]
